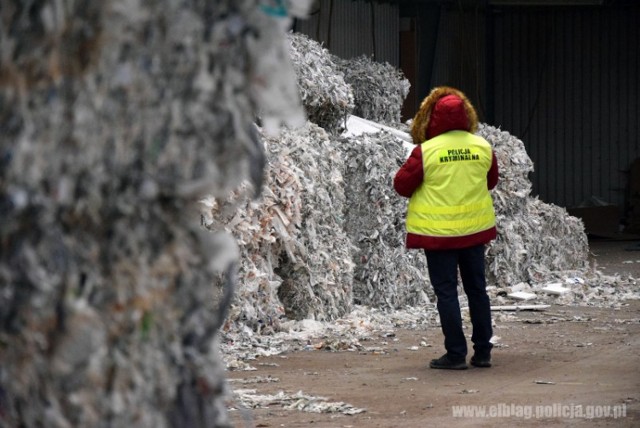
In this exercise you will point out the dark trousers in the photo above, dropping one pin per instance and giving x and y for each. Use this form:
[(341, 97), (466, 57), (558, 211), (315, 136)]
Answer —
[(443, 273)]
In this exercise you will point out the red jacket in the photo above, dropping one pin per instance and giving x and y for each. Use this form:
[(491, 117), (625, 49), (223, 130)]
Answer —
[(443, 110)]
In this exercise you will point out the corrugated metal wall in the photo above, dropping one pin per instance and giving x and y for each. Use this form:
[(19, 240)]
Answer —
[(351, 28), (567, 82), (460, 52)]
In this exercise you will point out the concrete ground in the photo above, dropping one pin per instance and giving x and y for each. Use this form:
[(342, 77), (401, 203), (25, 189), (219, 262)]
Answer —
[(616, 255)]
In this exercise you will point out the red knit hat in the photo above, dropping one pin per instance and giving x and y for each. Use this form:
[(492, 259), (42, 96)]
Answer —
[(448, 114)]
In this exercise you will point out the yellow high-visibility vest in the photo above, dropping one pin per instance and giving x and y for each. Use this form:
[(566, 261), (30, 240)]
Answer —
[(453, 199)]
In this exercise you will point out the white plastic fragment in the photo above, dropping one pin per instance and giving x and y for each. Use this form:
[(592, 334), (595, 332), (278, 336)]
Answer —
[(520, 307), (555, 288), (522, 295), (521, 286)]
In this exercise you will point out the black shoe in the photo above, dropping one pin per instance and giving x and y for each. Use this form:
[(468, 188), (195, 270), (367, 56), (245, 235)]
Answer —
[(445, 362), (480, 361)]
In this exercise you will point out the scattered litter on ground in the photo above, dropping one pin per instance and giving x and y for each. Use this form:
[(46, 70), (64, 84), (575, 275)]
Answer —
[(250, 398), (257, 379)]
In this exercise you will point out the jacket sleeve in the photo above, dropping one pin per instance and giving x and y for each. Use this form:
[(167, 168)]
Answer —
[(410, 175), (493, 173)]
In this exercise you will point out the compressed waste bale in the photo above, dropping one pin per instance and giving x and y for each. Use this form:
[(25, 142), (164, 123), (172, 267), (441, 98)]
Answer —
[(534, 238), (386, 275), (329, 265), (296, 257), (379, 89), (117, 118), (326, 97)]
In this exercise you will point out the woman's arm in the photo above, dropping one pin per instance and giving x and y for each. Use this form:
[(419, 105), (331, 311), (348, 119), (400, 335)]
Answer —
[(410, 174)]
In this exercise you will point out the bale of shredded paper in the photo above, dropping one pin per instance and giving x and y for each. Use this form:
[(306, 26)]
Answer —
[(379, 89), (117, 118), (326, 97), (387, 275), (296, 256), (534, 238)]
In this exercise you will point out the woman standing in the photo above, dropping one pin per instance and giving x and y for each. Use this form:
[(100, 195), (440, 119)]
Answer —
[(451, 216)]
